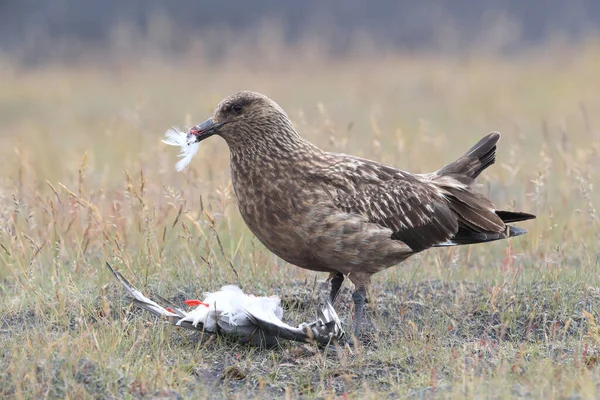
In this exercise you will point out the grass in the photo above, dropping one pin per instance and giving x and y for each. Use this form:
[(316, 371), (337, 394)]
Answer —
[(86, 180)]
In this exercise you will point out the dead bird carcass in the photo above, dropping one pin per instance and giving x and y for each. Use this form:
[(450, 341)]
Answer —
[(250, 319)]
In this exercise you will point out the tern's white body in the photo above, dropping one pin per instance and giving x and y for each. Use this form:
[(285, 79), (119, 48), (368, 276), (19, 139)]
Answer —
[(230, 308)]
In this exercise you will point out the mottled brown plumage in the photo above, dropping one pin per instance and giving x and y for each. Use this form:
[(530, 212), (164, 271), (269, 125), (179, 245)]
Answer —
[(342, 214)]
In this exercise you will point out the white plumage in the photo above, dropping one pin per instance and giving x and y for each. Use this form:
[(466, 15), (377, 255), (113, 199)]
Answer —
[(187, 142), (229, 309)]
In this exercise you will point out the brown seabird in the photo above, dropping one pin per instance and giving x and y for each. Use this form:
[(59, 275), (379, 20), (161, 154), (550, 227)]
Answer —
[(342, 214)]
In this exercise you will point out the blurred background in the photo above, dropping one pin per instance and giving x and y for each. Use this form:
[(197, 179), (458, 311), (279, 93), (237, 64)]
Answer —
[(39, 31), (70, 67)]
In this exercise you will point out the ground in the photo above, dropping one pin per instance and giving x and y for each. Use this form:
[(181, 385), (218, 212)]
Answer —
[(86, 180)]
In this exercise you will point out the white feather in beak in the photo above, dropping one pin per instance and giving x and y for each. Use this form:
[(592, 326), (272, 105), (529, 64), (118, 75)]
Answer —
[(187, 142)]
